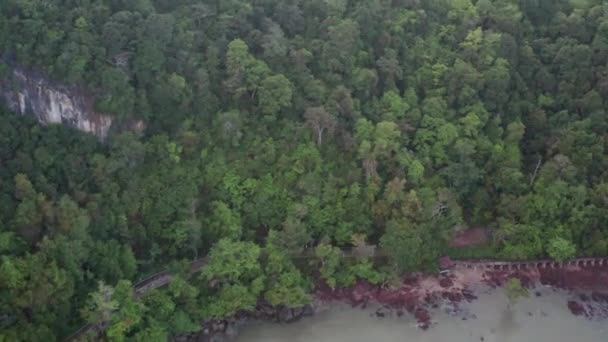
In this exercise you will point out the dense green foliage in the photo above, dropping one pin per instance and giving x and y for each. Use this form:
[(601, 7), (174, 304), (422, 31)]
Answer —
[(282, 128)]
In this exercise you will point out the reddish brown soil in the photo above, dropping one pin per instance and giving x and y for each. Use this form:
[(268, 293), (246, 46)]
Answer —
[(570, 278), (567, 278), (470, 237)]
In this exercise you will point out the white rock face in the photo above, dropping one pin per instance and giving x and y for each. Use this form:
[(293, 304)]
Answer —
[(26, 93)]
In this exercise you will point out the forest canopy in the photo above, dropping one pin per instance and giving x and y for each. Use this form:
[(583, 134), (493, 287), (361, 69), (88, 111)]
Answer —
[(278, 128)]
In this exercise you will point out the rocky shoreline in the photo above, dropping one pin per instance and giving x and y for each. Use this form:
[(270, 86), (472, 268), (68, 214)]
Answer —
[(419, 294), (219, 330)]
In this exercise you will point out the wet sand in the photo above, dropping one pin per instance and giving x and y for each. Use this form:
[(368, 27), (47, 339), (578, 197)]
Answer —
[(542, 317)]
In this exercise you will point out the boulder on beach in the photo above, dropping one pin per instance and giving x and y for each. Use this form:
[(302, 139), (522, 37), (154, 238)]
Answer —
[(576, 308)]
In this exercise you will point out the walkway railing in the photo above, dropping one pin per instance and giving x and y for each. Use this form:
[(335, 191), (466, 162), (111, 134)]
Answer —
[(155, 281), (163, 278), (538, 264)]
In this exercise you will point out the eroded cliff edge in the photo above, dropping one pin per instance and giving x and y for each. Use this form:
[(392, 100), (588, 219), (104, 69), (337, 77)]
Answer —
[(27, 92)]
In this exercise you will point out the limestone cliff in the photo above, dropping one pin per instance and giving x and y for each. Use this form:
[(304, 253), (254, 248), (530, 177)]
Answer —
[(28, 93)]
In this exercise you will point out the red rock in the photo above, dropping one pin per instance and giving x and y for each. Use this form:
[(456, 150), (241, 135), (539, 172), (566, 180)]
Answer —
[(445, 282), (576, 308), (423, 318), (361, 293), (455, 297), (424, 326), (468, 295)]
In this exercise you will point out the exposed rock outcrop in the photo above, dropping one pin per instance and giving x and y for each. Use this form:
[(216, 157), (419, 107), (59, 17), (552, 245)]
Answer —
[(26, 92)]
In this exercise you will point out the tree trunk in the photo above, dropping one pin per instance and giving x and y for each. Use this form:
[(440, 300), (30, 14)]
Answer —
[(540, 160), (319, 137)]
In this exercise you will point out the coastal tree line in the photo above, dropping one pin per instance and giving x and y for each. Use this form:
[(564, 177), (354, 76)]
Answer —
[(277, 128)]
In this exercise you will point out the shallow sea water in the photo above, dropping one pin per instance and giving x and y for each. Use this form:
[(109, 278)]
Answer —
[(489, 319)]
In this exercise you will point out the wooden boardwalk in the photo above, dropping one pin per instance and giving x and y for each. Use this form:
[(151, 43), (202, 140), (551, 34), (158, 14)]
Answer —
[(155, 281), (535, 264), (163, 278)]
